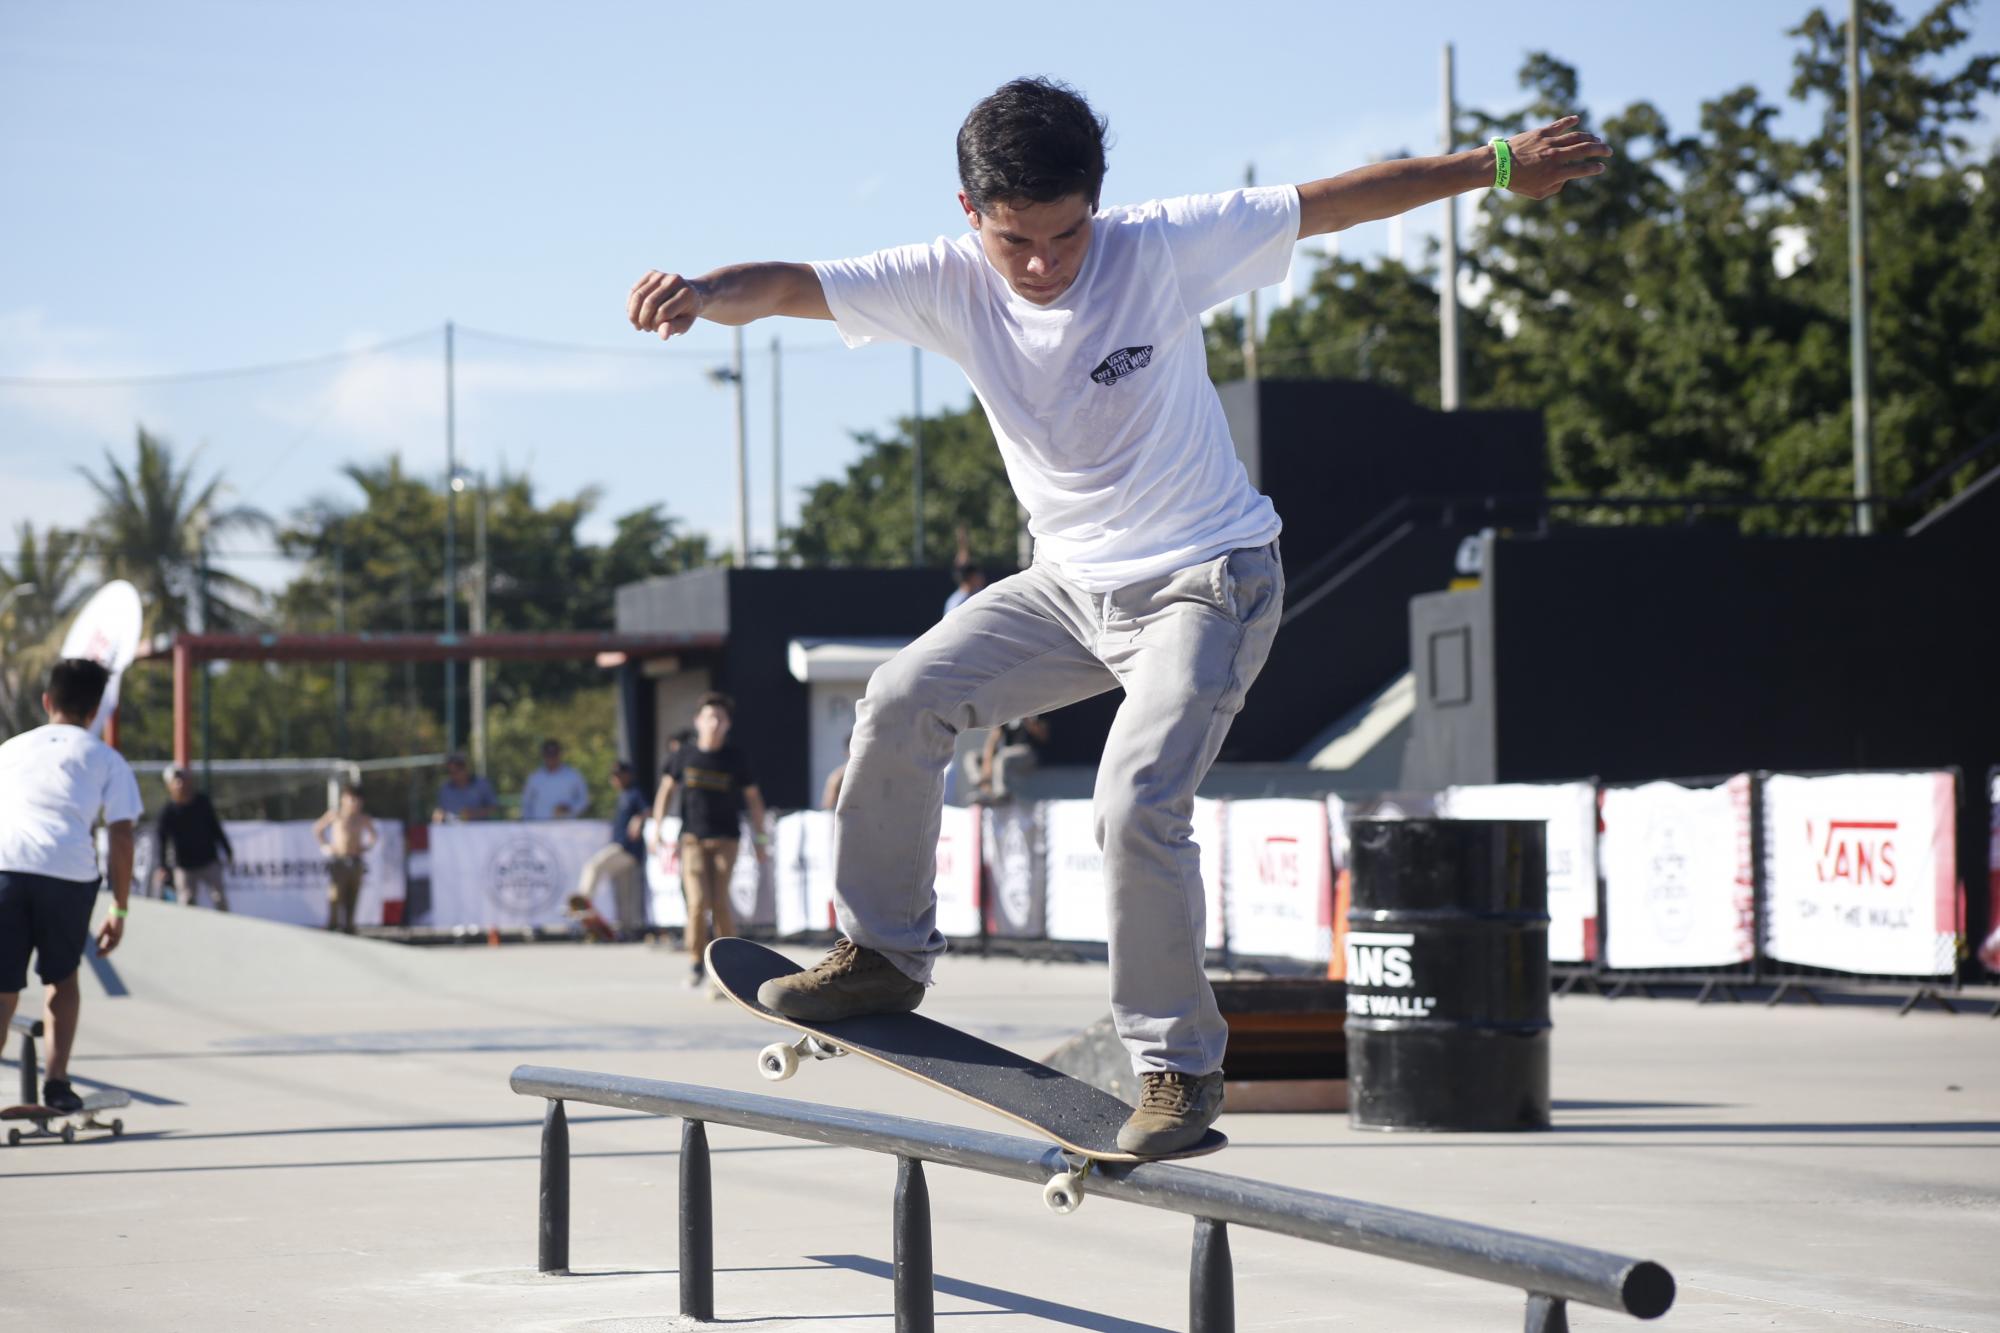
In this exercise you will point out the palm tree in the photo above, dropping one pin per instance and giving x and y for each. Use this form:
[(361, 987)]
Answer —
[(39, 590), (156, 525)]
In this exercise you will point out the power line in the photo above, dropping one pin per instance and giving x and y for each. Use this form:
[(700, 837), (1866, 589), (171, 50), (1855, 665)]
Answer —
[(606, 349), (188, 376)]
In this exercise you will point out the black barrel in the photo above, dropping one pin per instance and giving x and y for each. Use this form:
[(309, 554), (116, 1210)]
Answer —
[(1448, 975)]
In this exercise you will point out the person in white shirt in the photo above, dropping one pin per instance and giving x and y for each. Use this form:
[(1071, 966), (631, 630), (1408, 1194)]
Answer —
[(1155, 561), (56, 782), (555, 790)]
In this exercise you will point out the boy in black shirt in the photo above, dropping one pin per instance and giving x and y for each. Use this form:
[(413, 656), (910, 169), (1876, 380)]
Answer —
[(193, 845), (715, 785)]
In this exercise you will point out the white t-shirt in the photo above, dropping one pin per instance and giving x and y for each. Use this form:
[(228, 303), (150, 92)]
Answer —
[(54, 783), (545, 790), (1111, 433)]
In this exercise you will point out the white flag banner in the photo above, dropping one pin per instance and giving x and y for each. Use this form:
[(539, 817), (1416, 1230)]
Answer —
[(1677, 875), (665, 903), (279, 871), (805, 873), (1989, 952), (1569, 810), (1279, 873), (752, 885), (957, 881), (1208, 840), (1011, 845), (1073, 881), (495, 873), (1861, 872)]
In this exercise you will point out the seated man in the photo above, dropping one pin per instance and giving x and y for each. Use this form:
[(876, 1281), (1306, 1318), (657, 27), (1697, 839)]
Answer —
[(464, 795)]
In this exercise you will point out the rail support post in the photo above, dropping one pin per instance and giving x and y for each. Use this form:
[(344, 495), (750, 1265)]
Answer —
[(697, 1225), (1547, 1314), (915, 1300), (31, 1095), (555, 1190), (1211, 1280)]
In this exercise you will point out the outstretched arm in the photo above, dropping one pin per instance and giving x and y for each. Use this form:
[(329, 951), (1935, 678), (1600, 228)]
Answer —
[(1545, 160), (667, 303)]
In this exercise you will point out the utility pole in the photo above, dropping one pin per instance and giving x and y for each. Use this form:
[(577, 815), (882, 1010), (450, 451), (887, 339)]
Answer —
[(450, 538), (742, 453), (479, 627), (1448, 261), (777, 456), (917, 453), (1250, 328), (207, 627), (340, 664), (1857, 284)]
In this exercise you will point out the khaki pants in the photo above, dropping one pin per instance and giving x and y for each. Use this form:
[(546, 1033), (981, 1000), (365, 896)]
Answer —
[(627, 885), (188, 884), (343, 888), (706, 866)]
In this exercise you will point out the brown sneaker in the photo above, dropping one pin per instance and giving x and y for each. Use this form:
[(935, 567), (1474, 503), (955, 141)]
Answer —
[(847, 983), (1175, 1110)]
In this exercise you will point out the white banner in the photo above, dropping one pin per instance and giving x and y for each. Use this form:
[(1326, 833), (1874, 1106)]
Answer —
[(752, 884), (665, 903), (1570, 811), (1073, 879), (957, 879), (1861, 873), (1677, 880), (1209, 840), (1279, 878), (495, 873), (804, 873), (279, 872), (1011, 846)]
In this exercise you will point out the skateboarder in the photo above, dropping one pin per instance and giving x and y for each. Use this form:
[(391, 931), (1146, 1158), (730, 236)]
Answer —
[(55, 783), (1155, 560)]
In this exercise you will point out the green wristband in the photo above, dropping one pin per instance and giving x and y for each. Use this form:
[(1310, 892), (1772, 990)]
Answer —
[(120, 913), (1503, 164)]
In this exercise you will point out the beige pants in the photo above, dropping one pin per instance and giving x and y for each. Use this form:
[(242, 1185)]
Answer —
[(627, 884), (706, 866), (188, 885)]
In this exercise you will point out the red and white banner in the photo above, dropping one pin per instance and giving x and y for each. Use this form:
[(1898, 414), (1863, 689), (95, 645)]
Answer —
[(804, 873), (1279, 878), (1989, 952), (1570, 811), (1677, 875), (1208, 840), (957, 881), (1861, 872), (1073, 881)]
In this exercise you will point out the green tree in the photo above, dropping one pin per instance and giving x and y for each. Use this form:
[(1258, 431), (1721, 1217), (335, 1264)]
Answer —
[(866, 516), (40, 589), (156, 522)]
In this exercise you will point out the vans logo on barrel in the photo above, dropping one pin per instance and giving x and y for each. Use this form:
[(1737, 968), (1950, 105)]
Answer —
[(1383, 961)]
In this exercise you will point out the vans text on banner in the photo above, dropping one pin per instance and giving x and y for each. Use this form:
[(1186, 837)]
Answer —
[(491, 873), (1074, 906), (1861, 872), (1677, 875), (1569, 810), (1279, 873)]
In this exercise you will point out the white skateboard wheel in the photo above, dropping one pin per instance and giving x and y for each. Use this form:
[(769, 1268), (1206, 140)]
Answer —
[(778, 1062), (1061, 1194)]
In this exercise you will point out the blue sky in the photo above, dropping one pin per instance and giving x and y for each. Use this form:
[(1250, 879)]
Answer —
[(215, 184)]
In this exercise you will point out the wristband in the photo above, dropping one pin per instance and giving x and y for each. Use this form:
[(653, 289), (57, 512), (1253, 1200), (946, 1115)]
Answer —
[(120, 913), (1503, 164)]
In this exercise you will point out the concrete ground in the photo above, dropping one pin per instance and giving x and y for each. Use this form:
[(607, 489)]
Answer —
[(323, 1137)]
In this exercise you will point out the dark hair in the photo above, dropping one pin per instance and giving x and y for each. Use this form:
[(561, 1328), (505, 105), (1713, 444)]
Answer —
[(716, 699), (551, 744), (965, 569), (76, 686), (1035, 140), (351, 789)]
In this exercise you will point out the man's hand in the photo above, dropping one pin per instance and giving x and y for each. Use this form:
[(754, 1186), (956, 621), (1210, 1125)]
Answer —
[(1551, 157), (108, 934), (664, 303)]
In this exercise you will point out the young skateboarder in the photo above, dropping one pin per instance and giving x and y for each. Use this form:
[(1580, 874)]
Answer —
[(1155, 563), (55, 783)]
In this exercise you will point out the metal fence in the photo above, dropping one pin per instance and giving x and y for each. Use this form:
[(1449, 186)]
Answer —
[(1550, 1273)]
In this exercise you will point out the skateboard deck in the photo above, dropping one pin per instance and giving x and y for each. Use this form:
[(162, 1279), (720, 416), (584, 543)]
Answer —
[(84, 1117), (1081, 1119)]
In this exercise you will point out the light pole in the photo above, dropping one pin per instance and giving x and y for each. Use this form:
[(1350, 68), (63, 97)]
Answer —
[(450, 537), (733, 374), (478, 625)]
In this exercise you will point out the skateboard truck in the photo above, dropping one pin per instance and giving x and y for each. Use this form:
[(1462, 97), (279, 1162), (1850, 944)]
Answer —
[(780, 1060), (71, 1122), (1064, 1192)]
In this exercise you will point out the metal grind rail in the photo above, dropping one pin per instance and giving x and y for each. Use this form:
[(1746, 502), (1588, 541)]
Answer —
[(1550, 1273)]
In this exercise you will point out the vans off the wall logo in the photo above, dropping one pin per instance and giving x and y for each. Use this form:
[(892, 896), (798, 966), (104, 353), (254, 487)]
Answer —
[(1860, 852), (524, 876), (1121, 363)]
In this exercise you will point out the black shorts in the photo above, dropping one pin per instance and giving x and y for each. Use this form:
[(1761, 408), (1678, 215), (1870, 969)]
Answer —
[(47, 917)]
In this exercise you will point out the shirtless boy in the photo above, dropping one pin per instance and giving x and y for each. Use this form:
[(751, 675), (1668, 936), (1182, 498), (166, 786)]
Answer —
[(1156, 561), (347, 835)]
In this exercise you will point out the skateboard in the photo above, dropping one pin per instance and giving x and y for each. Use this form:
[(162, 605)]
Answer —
[(84, 1117), (1082, 1120)]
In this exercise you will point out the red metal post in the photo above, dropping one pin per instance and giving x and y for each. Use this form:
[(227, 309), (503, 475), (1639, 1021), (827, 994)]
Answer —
[(183, 682)]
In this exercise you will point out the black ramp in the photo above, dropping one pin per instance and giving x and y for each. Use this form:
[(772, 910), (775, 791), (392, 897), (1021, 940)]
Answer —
[(1063, 1107)]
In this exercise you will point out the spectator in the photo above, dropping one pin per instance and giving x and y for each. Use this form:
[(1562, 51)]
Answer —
[(1012, 752), (714, 781), (624, 857), (970, 578), (354, 836), (555, 790), (193, 843), (464, 795), (55, 783)]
